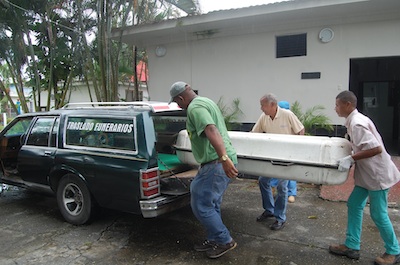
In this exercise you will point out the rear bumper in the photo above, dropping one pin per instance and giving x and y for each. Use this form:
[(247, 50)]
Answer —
[(163, 204)]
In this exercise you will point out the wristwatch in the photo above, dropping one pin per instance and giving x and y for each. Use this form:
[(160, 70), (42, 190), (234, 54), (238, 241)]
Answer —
[(224, 158)]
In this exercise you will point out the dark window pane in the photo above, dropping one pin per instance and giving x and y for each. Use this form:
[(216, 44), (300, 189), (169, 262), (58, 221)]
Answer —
[(19, 127), (291, 45), (39, 134)]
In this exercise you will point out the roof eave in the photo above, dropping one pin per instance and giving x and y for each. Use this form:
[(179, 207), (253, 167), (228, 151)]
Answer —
[(271, 17)]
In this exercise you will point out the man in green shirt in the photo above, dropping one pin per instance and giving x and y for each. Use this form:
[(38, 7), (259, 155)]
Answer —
[(212, 149)]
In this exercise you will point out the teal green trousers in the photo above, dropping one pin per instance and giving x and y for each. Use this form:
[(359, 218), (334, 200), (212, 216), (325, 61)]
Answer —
[(379, 213)]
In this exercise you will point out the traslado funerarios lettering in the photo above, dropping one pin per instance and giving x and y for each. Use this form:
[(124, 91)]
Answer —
[(100, 127)]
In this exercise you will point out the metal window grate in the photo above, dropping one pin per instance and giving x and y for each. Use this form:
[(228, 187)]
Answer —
[(291, 45)]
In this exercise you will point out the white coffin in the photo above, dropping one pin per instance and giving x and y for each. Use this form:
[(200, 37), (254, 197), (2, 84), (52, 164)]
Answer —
[(309, 159)]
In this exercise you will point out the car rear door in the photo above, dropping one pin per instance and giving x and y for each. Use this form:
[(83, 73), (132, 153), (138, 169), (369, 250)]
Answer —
[(36, 157)]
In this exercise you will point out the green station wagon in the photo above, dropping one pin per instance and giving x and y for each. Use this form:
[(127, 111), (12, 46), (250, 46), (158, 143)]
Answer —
[(112, 155)]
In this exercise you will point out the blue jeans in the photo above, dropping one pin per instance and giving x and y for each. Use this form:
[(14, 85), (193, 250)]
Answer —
[(292, 186), (277, 207), (379, 214), (207, 189)]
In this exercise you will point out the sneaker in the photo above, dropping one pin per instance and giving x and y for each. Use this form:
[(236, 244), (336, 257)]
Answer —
[(219, 250), (204, 246), (277, 225), (342, 250), (264, 216), (387, 259), (291, 199)]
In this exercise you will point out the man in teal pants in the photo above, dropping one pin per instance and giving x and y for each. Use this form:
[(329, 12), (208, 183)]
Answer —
[(374, 174)]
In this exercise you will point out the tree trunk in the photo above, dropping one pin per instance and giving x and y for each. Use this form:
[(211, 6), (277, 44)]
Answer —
[(136, 75), (16, 77), (66, 88), (119, 47), (34, 70), (51, 67), (7, 94), (88, 69), (101, 48)]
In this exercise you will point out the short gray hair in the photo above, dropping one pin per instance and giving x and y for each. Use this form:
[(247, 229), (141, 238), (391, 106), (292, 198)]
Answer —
[(269, 98)]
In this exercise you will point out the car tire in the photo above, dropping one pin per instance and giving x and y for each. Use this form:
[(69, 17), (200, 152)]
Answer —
[(74, 200)]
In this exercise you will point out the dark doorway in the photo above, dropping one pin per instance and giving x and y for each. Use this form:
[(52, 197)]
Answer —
[(376, 82)]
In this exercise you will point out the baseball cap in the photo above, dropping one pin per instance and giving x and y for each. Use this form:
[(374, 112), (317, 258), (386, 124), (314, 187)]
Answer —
[(176, 89), (284, 104)]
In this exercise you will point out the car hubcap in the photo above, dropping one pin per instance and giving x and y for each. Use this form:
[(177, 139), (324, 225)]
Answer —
[(73, 199)]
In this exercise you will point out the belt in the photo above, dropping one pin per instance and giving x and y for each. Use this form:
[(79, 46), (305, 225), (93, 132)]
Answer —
[(210, 162)]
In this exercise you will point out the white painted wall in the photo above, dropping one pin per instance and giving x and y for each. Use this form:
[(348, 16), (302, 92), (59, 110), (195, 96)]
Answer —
[(245, 66)]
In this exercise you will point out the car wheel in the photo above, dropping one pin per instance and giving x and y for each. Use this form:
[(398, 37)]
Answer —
[(74, 200)]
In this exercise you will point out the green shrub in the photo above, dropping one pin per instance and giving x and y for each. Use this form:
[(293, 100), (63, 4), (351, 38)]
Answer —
[(231, 113), (313, 118)]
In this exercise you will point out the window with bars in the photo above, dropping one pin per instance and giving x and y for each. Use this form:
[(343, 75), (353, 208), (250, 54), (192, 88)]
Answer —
[(291, 45)]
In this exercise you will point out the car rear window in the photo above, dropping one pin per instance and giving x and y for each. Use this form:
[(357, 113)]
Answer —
[(117, 134), (39, 134)]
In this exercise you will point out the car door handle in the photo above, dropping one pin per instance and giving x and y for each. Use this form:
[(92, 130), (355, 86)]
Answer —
[(87, 159), (47, 153)]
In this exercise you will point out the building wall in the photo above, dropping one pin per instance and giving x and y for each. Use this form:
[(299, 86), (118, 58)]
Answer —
[(245, 66)]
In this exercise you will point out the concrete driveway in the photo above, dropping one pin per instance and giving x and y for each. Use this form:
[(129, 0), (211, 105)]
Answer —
[(32, 231)]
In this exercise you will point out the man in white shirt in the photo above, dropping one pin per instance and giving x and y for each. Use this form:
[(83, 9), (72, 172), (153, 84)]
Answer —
[(374, 174)]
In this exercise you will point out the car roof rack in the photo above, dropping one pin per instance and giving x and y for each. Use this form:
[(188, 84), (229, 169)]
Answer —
[(154, 106)]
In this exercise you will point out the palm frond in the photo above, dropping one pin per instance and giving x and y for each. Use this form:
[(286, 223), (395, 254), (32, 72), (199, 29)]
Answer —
[(230, 113), (312, 118)]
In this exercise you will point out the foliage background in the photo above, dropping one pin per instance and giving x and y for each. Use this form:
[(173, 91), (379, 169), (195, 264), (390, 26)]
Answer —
[(312, 119), (48, 44)]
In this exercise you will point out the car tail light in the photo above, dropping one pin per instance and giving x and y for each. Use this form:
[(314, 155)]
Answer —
[(150, 183)]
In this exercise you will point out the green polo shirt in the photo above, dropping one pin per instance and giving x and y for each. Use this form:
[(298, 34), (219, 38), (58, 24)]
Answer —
[(200, 113)]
